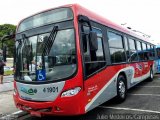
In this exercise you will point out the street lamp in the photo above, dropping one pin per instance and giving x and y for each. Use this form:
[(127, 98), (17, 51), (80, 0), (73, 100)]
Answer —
[(3, 38)]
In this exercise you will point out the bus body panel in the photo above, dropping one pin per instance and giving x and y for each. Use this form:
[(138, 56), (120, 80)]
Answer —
[(97, 90), (105, 86)]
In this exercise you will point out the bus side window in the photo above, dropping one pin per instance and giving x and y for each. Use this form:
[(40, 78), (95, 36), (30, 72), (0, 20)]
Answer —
[(116, 47), (152, 52), (133, 51), (146, 55)]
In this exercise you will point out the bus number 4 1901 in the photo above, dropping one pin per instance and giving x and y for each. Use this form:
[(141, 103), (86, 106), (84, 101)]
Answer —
[(50, 89)]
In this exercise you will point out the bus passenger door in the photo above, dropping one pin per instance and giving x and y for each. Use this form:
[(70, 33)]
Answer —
[(93, 60), (144, 62), (136, 64)]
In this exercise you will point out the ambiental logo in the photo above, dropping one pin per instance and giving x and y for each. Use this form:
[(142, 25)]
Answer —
[(29, 91)]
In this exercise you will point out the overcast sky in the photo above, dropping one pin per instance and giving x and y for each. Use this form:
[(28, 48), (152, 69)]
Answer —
[(141, 15)]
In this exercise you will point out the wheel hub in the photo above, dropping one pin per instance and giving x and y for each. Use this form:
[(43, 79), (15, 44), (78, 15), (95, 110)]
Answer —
[(122, 89)]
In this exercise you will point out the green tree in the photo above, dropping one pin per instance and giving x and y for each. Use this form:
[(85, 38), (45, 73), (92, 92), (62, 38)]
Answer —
[(5, 29)]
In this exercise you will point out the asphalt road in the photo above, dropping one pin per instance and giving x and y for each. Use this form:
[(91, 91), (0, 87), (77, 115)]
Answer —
[(142, 103)]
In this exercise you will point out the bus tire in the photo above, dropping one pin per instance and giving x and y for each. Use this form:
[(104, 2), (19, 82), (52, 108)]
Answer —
[(150, 75), (121, 89)]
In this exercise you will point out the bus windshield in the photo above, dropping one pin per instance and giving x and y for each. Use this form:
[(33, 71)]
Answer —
[(57, 60)]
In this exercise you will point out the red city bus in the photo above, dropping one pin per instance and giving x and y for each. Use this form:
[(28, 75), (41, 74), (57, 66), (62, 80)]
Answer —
[(70, 60)]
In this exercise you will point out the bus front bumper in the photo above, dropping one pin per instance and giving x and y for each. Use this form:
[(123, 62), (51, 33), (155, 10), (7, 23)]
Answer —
[(61, 107)]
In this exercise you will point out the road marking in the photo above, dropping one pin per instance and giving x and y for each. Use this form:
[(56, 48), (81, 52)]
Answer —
[(140, 110), (157, 95), (12, 115), (148, 86), (18, 112), (153, 81)]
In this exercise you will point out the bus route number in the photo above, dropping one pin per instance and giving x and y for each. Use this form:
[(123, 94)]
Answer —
[(50, 89)]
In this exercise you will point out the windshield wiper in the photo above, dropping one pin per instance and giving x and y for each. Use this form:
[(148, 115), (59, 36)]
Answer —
[(48, 44)]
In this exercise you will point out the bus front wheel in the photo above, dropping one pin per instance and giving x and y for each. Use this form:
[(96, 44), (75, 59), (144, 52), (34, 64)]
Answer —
[(121, 89)]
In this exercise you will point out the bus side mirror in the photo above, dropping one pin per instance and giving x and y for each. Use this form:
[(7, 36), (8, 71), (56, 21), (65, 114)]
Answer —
[(93, 41), (84, 38)]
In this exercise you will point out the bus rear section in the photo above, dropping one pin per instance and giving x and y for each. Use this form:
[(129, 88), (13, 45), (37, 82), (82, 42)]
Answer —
[(68, 62)]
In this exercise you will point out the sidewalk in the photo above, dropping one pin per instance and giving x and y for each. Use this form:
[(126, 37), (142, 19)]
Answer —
[(6, 87), (6, 103), (7, 84)]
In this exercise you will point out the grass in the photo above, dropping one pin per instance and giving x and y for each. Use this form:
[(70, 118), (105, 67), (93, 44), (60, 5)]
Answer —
[(8, 72), (10, 64)]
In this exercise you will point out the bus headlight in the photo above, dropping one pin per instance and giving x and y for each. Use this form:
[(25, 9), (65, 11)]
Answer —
[(71, 92)]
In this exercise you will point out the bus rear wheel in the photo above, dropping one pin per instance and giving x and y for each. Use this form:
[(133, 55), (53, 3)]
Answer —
[(121, 89), (151, 75)]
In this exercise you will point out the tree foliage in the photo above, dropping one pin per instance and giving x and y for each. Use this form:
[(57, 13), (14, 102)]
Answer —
[(6, 29)]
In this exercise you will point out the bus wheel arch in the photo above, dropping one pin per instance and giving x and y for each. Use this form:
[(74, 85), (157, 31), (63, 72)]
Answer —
[(125, 76)]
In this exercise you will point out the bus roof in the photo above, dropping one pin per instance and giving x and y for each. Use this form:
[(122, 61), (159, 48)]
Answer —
[(79, 10), (95, 17)]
